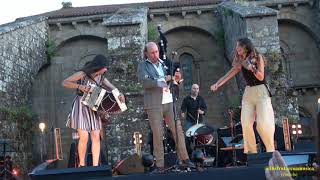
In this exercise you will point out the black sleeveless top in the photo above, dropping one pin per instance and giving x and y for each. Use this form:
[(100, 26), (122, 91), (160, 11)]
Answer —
[(250, 78)]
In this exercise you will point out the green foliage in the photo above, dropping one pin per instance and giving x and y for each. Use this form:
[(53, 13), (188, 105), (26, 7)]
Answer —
[(67, 4), (284, 95), (219, 36), (227, 12), (50, 49), (134, 87), (273, 56), (152, 32), (18, 125)]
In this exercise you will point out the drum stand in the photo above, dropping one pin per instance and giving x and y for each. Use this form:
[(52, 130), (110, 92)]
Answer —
[(234, 154)]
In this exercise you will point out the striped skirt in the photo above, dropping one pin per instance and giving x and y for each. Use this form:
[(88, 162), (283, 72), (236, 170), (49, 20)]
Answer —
[(82, 117)]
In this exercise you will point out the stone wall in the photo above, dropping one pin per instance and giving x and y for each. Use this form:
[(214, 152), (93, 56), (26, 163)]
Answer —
[(261, 26), (127, 35), (22, 53)]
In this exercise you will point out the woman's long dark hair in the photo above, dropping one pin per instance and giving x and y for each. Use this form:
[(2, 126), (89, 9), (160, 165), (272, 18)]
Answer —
[(98, 62), (249, 48)]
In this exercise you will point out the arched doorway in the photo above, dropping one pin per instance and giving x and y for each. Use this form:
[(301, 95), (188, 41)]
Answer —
[(202, 61), (302, 65), (49, 99)]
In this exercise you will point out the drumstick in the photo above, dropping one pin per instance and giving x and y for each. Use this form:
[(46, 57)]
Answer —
[(198, 116)]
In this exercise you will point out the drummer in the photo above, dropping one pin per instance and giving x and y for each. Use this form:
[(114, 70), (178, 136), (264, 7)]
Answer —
[(193, 109)]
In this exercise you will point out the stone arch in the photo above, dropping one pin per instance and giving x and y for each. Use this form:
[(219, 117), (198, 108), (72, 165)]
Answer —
[(194, 27), (70, 32), (300, 45), (293, 56), (300, 20), (77, 37), (188, 43), (208, 65), (50, 100), (196, 59), (84, 55), (181, 24), (189, 50)]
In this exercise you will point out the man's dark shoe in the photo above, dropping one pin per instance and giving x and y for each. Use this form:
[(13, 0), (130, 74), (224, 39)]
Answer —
[(155, 169), (188, 163)]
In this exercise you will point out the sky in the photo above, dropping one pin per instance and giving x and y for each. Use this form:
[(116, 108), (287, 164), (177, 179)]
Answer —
[(13, 9)]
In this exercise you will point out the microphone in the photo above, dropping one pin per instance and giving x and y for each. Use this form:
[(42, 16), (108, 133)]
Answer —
[(159, 27), (248, 62)]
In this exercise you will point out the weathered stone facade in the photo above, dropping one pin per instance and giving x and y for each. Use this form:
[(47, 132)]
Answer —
[(22, 53)]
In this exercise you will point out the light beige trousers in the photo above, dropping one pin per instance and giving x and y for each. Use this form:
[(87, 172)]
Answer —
[(256, 105), (156, 117)]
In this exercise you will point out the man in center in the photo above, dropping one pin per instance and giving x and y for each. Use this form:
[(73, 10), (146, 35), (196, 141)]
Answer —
[(158, 103), (193, 108)]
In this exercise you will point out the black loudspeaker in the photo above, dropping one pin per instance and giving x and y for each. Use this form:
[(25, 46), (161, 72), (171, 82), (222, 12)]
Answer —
[(259, 159), (306, 144), (91, 172), (130, 165), (290, 158)]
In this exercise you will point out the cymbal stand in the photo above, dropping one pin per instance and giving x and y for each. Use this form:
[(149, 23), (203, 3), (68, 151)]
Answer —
[(234, 155)]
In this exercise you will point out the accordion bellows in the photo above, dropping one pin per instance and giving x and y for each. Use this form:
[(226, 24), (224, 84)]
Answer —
[(99, 99)]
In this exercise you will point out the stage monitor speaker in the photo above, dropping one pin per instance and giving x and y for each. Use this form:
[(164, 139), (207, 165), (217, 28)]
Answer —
[(305, 144), (257, 159), (290, 158), (83, 173), (130, 165)]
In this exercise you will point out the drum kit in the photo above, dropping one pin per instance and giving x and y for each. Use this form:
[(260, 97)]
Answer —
[(207, 139)]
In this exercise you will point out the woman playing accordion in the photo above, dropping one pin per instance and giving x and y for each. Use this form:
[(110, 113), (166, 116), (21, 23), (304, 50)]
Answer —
[(83, 118)]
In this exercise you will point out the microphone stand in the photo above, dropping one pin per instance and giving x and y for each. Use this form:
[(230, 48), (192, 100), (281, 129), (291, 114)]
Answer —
[(174, 100), (165, 141)]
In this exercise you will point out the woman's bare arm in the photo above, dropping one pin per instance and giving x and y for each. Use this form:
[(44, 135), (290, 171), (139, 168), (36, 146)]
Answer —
[(71, 82), (259, 73), (231, 73)]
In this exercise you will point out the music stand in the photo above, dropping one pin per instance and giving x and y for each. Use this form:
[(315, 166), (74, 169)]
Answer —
[(233, 140)]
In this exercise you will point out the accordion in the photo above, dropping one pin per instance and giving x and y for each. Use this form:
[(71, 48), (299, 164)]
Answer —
[(104, 102)]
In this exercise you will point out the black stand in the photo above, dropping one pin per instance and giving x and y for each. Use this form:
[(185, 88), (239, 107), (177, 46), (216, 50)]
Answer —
[(174, 99), (234, 154)]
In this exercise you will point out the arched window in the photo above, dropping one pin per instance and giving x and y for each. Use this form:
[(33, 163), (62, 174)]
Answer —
[(186, 62)]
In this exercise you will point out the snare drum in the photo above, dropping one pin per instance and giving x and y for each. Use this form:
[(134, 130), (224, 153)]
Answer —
[(202, 134), (192, 130), (204, 139)]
